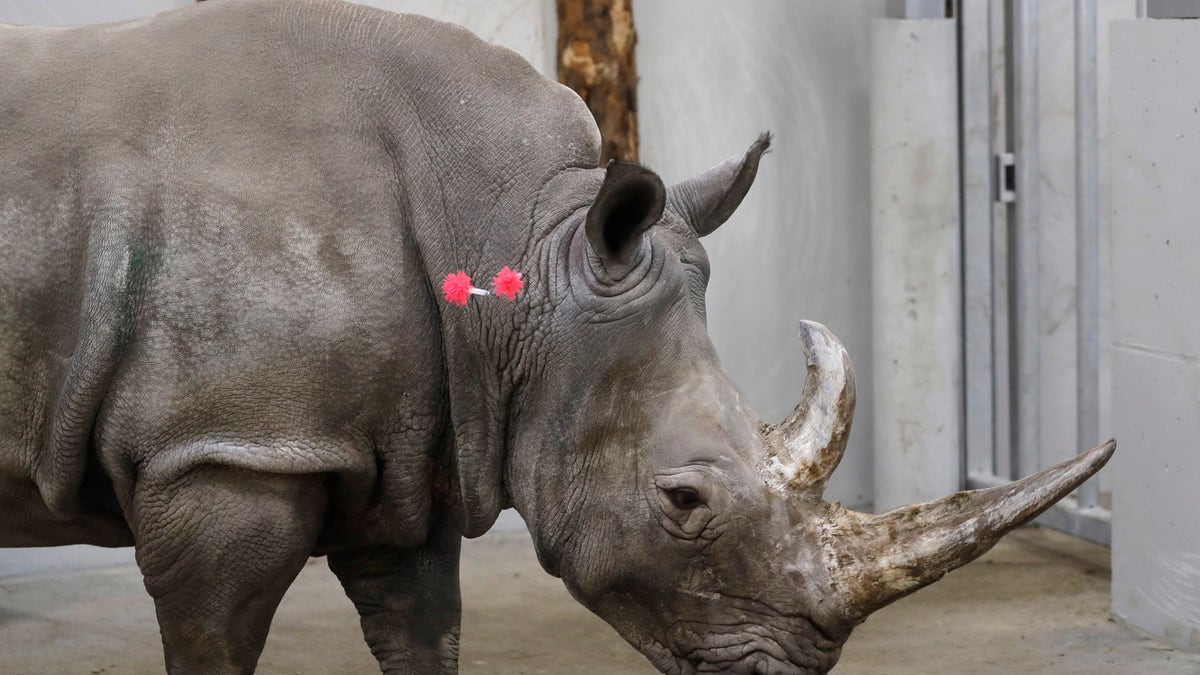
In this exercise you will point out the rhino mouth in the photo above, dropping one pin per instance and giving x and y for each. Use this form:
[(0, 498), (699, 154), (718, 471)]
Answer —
[(743, 659), (742, 649), (748, 659)]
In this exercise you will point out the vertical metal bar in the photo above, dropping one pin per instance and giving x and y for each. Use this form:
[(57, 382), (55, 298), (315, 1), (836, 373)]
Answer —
[(1087, 238), (1026, 326), (1000, 103), (975, 121)]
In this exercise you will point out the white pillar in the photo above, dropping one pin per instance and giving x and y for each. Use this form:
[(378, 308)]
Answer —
[(1155, 149), (916, 260)]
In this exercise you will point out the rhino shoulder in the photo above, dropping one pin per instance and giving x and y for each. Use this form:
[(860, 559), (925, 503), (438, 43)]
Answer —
[(483, 97)]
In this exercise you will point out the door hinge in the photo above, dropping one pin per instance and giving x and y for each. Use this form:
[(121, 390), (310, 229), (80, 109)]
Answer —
[(1006, 177)]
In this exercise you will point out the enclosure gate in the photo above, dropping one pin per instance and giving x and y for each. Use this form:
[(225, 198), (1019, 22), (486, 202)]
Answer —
[(1014, 366)]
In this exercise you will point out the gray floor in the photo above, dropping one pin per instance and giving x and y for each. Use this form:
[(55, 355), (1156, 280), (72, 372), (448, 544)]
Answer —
[(1038, 603)]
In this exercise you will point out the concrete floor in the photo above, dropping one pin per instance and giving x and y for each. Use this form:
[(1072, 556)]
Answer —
[(1038, 603)]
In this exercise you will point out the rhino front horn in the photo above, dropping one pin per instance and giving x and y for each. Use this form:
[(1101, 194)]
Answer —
[(882, 558), (874, 560)]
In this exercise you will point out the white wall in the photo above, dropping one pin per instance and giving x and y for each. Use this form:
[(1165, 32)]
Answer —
[(1156, 326), (74, 12), (916, 260), (713, 75)]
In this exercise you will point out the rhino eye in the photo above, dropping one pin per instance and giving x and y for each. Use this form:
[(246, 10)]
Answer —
[(684, 499)]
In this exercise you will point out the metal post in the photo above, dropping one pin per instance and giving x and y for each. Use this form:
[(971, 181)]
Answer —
[(1001, 106), (975, 162), (1024, 245), (1087, 239)]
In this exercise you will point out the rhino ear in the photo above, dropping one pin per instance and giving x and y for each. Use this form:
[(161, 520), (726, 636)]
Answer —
[(630, 200), (708, 200)]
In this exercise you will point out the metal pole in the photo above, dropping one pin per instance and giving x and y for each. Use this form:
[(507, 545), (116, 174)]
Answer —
[(1087, 239), (975, 140), (1023, 247)]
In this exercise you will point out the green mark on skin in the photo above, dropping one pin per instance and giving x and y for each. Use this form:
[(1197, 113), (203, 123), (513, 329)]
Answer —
[(137, 264), (130, 293)]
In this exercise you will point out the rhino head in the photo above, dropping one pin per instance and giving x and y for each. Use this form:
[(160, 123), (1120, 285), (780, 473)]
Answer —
[(666, 505)]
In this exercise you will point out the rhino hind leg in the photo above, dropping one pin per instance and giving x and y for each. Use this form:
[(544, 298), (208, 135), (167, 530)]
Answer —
[(408, 600), (218, 548)]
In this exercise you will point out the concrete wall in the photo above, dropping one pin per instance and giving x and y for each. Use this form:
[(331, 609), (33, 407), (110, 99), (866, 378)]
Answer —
[(715, 74), (1155, 149), (916, 262), (75, 12)]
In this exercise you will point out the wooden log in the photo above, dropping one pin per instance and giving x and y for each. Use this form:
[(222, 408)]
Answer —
[(596, 40)]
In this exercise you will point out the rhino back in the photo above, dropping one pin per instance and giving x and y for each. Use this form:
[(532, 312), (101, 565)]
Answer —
[(226, 221)]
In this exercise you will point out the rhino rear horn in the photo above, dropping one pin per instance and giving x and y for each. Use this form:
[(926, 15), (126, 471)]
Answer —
[(706, 201), (877, 559), (629, 202), (806, 448)]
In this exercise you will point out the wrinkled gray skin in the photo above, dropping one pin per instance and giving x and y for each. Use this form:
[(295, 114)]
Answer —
[(222, 339)]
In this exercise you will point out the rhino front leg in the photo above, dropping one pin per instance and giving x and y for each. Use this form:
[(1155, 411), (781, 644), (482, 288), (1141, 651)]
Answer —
[(218, 547), (408, 600)]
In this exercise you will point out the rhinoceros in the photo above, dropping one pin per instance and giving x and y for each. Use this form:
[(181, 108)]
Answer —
[(223, 343)]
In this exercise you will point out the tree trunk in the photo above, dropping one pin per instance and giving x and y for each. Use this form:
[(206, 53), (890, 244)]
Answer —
[(596, 42)]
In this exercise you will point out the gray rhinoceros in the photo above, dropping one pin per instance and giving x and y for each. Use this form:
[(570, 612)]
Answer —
[(223, 342)]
